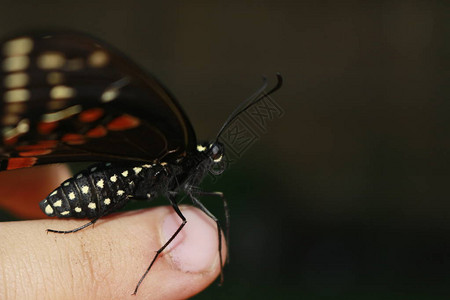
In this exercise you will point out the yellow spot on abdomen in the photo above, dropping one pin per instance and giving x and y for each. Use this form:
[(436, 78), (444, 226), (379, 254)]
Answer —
[(48, 210), (100, 183)]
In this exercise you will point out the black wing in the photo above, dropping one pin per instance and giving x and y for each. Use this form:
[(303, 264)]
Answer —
[(69, 97)]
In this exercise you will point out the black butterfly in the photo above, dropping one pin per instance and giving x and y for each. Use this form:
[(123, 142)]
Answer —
[(68, 97)]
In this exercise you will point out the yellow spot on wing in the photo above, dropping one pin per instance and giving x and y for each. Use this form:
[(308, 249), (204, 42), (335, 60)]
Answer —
[(109, 94), (98, 59), (22, 127), (62, 114), (15, 80), (51, 60), (18, 46), (62, 91), (18, 95), (15, 63)]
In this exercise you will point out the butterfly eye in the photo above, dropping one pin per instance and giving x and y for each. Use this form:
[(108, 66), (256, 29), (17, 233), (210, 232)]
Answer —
[(216, 152)]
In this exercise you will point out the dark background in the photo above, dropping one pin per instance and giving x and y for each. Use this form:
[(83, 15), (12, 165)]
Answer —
[(346, 196)]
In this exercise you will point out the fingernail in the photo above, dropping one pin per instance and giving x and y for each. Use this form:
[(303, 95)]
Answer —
[(195, 249)]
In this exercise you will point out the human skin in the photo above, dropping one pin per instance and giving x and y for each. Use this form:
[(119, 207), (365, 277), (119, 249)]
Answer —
[(104, 261)]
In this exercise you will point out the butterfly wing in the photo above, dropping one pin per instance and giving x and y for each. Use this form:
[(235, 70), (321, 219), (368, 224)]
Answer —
[(69, 97)]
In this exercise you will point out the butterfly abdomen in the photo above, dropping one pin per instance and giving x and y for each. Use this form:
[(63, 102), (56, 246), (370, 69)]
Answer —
[(97, 191)]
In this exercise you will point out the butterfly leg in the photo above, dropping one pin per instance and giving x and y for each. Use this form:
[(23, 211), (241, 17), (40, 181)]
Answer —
[(158, 252), (226, 211), (114, 207), (75, 229), (214, 218)]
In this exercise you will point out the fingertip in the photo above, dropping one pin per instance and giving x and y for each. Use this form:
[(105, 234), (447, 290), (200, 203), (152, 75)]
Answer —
[(191, 261), (107, 261), (196, 247)]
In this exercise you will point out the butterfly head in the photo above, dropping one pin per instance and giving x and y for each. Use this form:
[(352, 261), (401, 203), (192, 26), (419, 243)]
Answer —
[(213, 151), (210, 158)]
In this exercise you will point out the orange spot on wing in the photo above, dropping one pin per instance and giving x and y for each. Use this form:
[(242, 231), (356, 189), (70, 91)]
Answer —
[(73, 139), (35, 152), (97, 132), (46, 128), (123, 122), (17, 163), (90, 115)]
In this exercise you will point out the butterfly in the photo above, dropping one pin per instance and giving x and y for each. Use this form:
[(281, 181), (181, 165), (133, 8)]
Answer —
[(68, 97)]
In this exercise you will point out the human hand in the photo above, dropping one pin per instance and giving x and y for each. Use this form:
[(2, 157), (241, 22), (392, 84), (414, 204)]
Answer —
[(104, 262)]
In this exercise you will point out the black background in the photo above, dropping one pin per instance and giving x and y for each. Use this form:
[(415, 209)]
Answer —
[(346, 195)]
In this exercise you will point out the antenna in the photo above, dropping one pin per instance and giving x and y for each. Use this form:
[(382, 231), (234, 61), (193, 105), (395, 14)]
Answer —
[(256, 97)]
